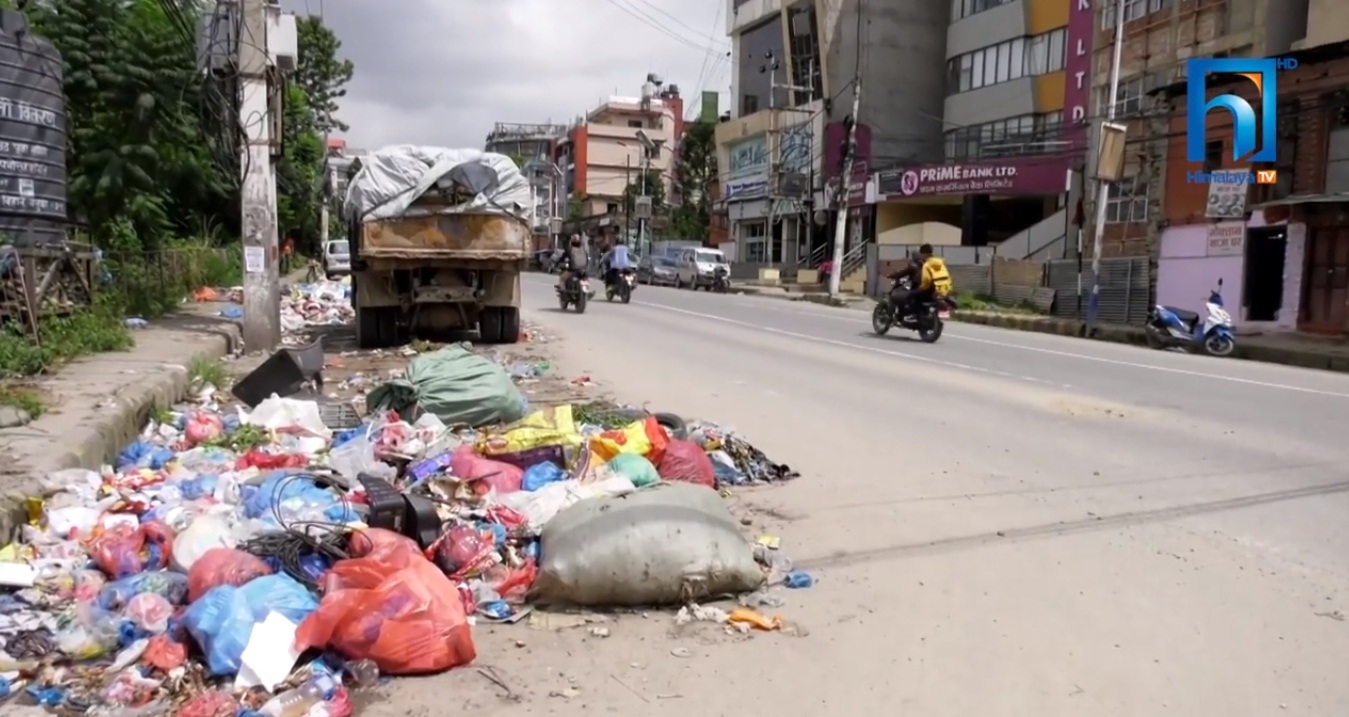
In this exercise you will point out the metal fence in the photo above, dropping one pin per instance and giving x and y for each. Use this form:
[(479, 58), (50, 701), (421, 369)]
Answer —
[(1124, 294), (152, 282)]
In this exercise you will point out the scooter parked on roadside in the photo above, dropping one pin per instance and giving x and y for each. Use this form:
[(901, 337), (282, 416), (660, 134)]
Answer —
[(1171, 327)]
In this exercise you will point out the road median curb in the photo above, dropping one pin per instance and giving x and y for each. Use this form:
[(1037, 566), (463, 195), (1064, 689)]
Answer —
[(1133, 335), (101, 403)]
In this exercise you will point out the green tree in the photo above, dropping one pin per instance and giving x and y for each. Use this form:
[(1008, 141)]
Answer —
[(653, 187), (695, 173), (321, 73), (299, 174)]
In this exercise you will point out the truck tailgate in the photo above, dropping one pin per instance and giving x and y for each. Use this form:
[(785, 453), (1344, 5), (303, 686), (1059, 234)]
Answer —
[(459, 236)]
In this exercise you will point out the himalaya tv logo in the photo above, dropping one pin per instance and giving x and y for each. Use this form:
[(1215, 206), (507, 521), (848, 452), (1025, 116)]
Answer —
[(1253, 139)]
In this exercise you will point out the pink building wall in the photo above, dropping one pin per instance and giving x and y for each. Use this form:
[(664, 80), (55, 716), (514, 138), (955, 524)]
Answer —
[(1185, 273)]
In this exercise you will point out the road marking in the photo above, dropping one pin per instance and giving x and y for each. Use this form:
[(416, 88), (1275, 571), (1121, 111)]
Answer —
[(835, 342), (1052, 352)]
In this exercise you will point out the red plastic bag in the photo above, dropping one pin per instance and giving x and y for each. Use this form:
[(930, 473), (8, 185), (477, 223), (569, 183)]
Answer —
[(391, 605), (263, 460), (124, 550), (202, 427), (223, 566), (645, 438), (461, 550), (209, 704), (487, 473), (512, 584), (687, 462), (164, 654)]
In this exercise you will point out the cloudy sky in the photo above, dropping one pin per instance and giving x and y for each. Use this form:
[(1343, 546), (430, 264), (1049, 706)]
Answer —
[(442, 72)]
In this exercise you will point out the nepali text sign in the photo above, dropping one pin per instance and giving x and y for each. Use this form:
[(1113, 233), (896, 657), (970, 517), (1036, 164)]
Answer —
[(1227, 239), (749, 157), (1002, 178)]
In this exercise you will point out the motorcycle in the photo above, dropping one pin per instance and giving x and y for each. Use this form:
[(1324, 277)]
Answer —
[(929, 320), (624, 284), (576, 292), (1170, 327), (721, 281)]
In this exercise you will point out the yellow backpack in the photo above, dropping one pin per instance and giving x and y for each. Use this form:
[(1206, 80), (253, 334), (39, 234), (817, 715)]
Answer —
[(936, 277)]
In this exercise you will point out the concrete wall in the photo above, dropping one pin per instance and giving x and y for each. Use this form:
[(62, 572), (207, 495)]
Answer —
[(903, 62), (992, 102), (1185, 273), (1018, 272), (1327, 22), (916, 224)]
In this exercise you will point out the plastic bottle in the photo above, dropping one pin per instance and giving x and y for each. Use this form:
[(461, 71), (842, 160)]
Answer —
[(295, 702), (363, 673)]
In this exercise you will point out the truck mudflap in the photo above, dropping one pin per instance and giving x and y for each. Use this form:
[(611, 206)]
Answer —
[(472, 237)]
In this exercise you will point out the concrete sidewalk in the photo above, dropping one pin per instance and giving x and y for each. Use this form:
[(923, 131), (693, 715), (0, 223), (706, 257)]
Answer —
[(98, 404), (1287, 349)]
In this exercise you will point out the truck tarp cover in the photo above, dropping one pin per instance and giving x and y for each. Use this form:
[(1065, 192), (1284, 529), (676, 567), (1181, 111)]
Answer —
[(392, 179)]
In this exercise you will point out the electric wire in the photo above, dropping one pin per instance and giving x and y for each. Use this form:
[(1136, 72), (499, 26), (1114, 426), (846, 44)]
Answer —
[(297, 540)]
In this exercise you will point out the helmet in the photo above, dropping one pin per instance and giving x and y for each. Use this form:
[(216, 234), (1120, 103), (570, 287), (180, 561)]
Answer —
[(925, 250), (576, 240)]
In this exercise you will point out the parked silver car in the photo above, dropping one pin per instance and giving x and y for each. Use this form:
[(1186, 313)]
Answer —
[(337, 258), (656, 271)]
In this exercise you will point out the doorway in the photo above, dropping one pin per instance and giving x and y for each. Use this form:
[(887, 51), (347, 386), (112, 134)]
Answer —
[(1326, 299), (1265, 251)]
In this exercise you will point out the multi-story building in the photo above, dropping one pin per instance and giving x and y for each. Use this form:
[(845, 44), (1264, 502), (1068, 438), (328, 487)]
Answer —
[(793, 67), (534, 146), (1014, 136), (607, 150), (1280, 246)]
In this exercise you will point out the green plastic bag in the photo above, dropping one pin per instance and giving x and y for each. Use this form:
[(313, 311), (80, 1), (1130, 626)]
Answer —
[(635, 468), (456, 385)]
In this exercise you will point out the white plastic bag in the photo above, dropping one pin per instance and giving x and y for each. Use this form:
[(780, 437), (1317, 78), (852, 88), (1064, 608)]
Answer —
[(539, 507), (663, 545), (277, 413), (357, 456)]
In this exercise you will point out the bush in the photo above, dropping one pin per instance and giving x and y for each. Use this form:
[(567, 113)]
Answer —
[(150, 284), (62, 338)]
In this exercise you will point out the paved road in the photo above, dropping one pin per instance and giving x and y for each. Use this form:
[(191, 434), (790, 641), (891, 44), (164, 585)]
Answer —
[(1001, 523)]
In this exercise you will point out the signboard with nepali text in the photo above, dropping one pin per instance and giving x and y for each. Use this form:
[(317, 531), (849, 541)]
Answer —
[(1008, 177)]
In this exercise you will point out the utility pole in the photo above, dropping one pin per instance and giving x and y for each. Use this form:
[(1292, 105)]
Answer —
[(844, 200), (262, 293), (641, 219), (323, 208), (627, 210), (1103, 188)]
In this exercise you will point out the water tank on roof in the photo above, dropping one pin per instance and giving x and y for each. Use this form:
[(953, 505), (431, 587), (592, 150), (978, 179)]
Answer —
[(32, 136)]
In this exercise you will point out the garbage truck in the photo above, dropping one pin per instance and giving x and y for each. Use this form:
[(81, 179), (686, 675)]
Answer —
[(439, 240)]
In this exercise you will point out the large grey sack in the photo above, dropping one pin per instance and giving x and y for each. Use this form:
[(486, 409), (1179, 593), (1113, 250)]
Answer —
[(668, 544)]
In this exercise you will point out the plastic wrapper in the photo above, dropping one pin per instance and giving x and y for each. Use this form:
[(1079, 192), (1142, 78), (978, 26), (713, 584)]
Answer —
[(512, 584), (124, 550), (149, 612), (540, 475), (209, 704), (88, 633), (668, 544), (644, 438), (223, 566), (203, 534), (222, 620), (545, 434), (390, 605), (170, 586), (687, 462), (488, 474), (295, 498), (636, 469), (143, 454), (462, 549)]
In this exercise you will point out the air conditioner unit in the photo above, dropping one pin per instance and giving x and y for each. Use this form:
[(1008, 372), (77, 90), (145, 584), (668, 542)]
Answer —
[(283, 40)]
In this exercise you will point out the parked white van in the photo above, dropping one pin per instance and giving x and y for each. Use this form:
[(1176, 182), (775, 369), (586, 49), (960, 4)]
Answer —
[(695, 267)]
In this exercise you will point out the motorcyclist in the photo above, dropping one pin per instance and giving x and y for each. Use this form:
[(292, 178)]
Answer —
[(906, 282), (616, 260), (574, 260), (929, 279)]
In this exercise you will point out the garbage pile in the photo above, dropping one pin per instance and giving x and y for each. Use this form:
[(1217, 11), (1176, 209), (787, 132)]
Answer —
[(324, 303), (258, 561)]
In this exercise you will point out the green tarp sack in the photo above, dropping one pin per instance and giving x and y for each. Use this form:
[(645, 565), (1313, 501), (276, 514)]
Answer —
[(457, 386)]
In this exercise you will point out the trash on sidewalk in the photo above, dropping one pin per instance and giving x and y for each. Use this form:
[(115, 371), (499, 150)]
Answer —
[(194, 574)]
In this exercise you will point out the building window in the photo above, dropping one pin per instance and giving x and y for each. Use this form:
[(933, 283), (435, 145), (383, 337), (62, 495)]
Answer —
[(1337, 152), (636, 124), (1130, 100), (804, 49), (1046, 53), (1133, 10), (652, 152), (749, 104), (961, 9), (1213, 156), (1127, 202), (755, 238), (1014, 136)]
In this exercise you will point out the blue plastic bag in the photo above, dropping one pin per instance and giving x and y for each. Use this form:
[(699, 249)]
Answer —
[(540, 475), (294, 494), (222, 620), (199, 487), (142, 454)]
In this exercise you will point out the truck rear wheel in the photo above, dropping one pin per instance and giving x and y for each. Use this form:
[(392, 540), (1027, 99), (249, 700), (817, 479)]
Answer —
[(499, 325)]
